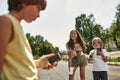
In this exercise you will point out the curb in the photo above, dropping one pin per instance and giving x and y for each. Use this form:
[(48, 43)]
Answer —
[(114, 63), (110, 63)]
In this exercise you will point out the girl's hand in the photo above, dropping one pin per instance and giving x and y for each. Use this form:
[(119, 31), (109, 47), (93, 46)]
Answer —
[(79, 51)]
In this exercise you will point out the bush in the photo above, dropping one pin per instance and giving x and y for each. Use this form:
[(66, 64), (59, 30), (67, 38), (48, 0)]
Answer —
[(118, 59), (114, 59)]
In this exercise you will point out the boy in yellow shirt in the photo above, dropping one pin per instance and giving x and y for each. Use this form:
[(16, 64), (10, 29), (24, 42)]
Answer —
[(16, 60)]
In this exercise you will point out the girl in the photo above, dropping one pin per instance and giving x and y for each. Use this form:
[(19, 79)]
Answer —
[(99, 56), (76, 58)]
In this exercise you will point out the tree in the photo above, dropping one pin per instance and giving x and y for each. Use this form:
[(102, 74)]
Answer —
[(89, 29), (117, 27), (45, 48), (114, 31), (40, 46)]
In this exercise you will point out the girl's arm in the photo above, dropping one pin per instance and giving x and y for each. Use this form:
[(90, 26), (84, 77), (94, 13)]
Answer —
[(69, 59)]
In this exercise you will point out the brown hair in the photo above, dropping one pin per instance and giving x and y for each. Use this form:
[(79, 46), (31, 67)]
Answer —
[(18, 4), (79, 41)]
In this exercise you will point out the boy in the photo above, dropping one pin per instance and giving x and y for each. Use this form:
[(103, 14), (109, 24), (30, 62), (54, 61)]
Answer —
[(16, 60), (99, 56)]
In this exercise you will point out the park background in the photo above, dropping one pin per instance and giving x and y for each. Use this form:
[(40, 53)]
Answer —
[(92, 18)]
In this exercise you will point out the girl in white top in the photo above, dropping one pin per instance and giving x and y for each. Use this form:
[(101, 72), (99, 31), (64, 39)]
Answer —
[(99, 57)]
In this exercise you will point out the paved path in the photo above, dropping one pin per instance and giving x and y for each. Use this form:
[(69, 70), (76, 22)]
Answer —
[(61, 72)]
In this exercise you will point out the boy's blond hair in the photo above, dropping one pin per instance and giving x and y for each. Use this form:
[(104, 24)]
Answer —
[(99, 41)]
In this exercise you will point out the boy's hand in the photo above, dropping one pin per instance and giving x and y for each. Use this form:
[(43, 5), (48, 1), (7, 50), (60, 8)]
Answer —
[(99, 51), (43, 62)]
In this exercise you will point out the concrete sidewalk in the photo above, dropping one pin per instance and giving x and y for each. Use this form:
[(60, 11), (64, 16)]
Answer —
[(61, 72)]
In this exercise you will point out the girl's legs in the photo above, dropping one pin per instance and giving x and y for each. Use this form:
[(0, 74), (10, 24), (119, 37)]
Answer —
[(82, 73), (71, 76)]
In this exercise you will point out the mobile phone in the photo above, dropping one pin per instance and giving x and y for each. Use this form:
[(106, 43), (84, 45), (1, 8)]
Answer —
[(99, 49), (57, 58), (90, 56)]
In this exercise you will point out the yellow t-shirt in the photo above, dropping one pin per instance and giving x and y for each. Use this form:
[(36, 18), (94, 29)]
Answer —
[(19, 63)]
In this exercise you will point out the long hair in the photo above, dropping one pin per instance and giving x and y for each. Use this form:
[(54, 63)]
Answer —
[(80, 41)]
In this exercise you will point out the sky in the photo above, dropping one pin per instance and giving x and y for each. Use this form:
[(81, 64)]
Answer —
[(58, 19)]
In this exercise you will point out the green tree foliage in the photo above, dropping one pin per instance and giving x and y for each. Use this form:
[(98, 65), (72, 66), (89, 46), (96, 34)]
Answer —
[(89, 29), (114, 30), (45, 48), (117, 27), (40, 46)]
